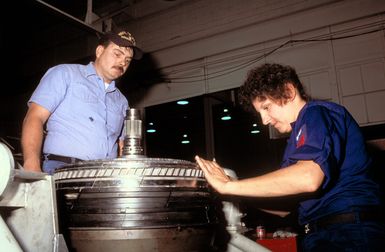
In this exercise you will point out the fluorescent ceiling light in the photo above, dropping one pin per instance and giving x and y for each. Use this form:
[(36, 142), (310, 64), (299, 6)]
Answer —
[(226, 118), (182, 102)]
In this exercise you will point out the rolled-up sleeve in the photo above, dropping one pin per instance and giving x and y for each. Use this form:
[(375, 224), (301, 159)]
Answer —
[(317, 141)]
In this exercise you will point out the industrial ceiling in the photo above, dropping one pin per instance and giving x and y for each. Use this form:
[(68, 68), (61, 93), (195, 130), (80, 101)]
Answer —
[(40, 33)]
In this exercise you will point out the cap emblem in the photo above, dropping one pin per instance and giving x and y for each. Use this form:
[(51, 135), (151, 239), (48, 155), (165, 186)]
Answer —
[(127, 36)]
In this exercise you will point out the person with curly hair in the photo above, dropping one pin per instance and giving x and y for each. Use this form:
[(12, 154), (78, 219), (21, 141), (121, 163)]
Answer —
[(325, 162)]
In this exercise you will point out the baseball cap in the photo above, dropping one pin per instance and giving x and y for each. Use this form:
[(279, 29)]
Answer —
[(125, 39)]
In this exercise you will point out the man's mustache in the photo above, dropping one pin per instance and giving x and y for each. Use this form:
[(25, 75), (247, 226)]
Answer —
[(119, 68)]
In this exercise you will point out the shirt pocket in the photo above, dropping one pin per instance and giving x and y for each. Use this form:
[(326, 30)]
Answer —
[(83, 93)]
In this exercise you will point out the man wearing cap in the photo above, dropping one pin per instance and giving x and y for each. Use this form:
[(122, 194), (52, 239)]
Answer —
[(81, 107)]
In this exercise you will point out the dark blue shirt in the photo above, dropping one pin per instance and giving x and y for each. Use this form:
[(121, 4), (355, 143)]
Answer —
[(326, 133)]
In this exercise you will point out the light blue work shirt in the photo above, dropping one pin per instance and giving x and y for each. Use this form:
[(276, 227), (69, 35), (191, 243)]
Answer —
[(86, 119)]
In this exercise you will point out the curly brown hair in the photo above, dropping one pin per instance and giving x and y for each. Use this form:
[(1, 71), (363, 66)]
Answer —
[(269, 81)]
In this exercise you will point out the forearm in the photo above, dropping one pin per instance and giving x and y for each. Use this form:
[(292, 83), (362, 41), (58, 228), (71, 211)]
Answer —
[(120, 147), (303, 177), (31, 142)]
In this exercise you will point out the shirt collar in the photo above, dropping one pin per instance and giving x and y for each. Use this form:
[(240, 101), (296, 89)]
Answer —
[(90, 71), (300, 114)]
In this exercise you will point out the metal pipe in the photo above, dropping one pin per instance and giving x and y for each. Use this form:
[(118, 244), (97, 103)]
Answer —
[(7, 165), (242, 243), (7, 240), (133, 134), (68, 15)]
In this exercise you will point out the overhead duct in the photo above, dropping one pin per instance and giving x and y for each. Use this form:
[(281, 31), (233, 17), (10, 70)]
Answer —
[(100, 26)]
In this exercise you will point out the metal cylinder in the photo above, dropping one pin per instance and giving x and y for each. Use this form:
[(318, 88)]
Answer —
[(136, 204), (133, 133)]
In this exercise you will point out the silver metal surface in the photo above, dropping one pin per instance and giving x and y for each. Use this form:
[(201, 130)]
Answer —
[(162, 239), (161, 204), (133, 133), (135, 203), (28, 207)]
